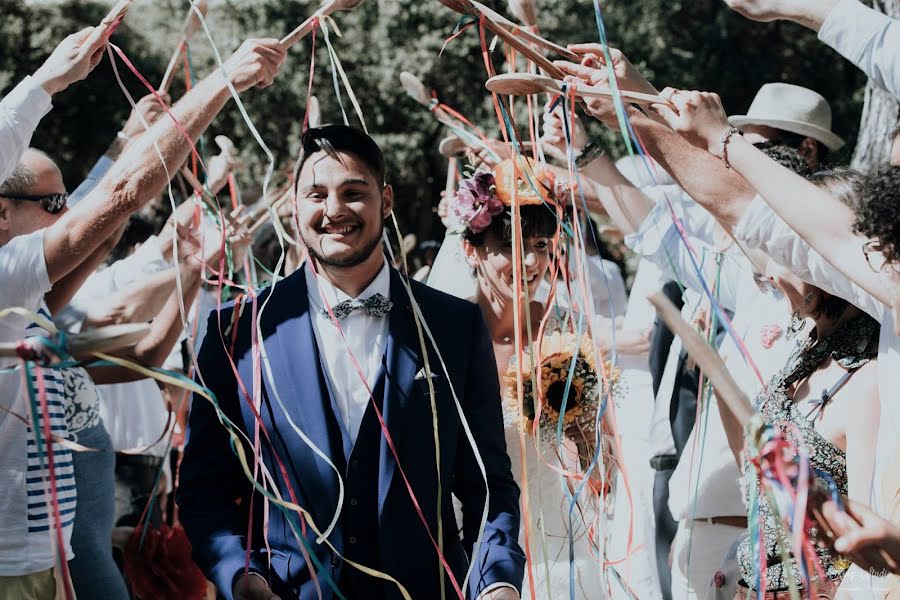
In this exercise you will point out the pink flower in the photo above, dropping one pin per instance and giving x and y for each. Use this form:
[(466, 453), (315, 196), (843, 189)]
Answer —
[(719, 579), (475, 204), (770, 333)]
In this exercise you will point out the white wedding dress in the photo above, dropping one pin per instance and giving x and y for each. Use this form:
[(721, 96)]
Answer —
[(545, 500)]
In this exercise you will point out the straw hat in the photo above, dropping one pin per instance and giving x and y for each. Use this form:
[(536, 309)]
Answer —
[(791, 108)]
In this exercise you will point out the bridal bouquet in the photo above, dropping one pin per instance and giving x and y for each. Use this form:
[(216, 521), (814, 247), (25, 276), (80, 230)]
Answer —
[(542, 398), (543, 391)]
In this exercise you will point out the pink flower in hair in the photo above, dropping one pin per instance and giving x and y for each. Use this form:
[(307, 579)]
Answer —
[(475, 204)]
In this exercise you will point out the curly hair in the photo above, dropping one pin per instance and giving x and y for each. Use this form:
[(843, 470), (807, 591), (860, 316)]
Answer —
[(786, 156), (878, 210), (537, 221)]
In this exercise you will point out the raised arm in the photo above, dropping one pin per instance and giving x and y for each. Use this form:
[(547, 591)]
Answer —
[(139, 175), (23, 108), (817, 217)]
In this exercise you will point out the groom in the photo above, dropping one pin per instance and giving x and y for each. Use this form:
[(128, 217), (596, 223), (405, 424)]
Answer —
[(349, 302)]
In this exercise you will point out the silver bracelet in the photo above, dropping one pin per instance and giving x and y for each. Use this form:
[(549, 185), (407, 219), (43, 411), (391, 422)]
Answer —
[(725, 139)]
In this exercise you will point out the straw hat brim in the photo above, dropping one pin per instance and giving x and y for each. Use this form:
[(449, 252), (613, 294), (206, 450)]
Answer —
[(831, 141)]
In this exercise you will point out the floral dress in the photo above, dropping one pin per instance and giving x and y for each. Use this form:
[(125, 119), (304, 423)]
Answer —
[(852, 346)]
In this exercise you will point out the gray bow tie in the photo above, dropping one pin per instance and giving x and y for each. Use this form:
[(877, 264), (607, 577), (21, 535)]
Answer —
[(375, 306)]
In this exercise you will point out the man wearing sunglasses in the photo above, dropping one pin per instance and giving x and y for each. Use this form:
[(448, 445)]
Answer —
[(41, 244)]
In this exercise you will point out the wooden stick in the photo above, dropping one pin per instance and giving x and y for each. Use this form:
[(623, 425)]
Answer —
[(727, 390), (118, 11), (450, 185), (328, 7), (188, 29), (523, 10), (103, 339), (524, 34), (524, 84)]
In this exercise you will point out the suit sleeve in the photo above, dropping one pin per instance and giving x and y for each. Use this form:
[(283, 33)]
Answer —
[(212, 482), (500, 560)]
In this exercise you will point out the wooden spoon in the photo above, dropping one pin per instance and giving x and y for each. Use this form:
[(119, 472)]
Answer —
[(314, 111), (328, 7), (188, 29), (524, 84)]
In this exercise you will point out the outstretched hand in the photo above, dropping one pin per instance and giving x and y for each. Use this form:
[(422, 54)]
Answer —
[(255, 64), (553, 134), (593, 71), (73, 59), (147, 109), (698, 116)]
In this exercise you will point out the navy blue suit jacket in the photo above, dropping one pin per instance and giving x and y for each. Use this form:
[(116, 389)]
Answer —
[(216, 500)]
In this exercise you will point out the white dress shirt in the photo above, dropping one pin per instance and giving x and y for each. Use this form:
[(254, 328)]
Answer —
[(364, 338), (706, 484), (20, 112), (867, 38)]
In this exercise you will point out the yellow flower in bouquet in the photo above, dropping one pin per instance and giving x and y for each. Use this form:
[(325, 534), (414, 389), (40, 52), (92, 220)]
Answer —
[(554, 389)]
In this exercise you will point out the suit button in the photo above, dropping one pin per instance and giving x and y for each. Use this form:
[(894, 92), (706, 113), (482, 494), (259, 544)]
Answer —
[(353, 501), (352, 539)]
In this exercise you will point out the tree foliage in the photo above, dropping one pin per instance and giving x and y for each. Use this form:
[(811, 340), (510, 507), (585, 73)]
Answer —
[(691, 45)]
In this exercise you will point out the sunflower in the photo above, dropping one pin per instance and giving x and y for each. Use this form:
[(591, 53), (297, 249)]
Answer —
[(579, 393)]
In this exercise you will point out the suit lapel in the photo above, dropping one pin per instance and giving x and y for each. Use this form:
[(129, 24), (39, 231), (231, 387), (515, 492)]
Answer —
[(296, 371), (402, 360)]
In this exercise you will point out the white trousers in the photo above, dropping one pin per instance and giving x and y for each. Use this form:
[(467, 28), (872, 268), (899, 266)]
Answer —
[(711, 548)]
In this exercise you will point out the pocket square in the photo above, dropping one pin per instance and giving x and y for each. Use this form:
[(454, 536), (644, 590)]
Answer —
[(423, 374)]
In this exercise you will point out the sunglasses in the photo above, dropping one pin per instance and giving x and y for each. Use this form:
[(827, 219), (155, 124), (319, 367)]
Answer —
[(52, 203)]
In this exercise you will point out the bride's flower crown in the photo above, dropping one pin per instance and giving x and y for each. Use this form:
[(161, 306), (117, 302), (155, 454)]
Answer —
[(485, 194)]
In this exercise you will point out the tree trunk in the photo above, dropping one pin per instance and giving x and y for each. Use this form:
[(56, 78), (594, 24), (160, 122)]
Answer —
[(880, 113)]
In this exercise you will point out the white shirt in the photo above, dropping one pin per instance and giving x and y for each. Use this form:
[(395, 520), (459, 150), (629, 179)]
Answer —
[(867, 38), (20, 112), (26, 545), (705, 482), (364, 337), (134, 413)]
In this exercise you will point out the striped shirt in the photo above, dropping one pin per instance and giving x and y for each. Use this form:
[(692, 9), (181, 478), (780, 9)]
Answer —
[(27, 523)]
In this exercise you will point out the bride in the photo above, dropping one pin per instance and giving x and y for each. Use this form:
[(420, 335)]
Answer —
[(561, 537)]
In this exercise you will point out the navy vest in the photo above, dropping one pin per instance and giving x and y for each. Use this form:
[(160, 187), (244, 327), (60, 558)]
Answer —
[(359, 517)]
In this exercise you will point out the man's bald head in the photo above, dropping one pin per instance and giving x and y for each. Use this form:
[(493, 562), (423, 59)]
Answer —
[(35, 175)]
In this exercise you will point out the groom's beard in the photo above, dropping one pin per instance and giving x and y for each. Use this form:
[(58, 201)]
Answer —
[(356, 258)]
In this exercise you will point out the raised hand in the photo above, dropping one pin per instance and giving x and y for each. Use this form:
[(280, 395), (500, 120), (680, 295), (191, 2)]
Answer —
[(627, 76), (698, 116), (593, 71), (147, 108), (553, 134), (255, 63), (73, 59)]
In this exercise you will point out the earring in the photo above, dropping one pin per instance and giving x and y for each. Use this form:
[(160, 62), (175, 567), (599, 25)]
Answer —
[(796, 325)]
